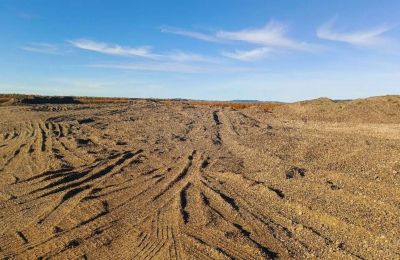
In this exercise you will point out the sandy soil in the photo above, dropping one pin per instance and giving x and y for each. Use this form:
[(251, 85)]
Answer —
[(147, 180)]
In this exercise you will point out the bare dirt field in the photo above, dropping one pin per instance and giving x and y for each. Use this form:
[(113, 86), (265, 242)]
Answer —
[(147, 179)]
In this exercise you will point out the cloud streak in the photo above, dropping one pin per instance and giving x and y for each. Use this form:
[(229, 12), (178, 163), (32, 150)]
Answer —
[(273, 34), (141, 52), (250, 55), (180, 56), (112, 49), (191, 34), (171, 67), (45, 48), (372, 37), (153, 66)]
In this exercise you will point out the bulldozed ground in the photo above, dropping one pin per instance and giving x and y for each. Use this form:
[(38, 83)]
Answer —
[(148, 179)]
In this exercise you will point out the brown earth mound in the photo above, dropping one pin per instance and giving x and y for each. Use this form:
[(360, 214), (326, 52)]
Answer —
[(372, 110)]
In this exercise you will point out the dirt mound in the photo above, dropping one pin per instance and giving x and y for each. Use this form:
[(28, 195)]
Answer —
[(371, 110), (49, 100), (20, 99)]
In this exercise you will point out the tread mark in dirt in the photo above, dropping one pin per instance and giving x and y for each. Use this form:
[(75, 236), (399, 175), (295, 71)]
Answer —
[(181, 175), (266, 251), (278, 192), (183, 201), (23, 237), (216, 118)]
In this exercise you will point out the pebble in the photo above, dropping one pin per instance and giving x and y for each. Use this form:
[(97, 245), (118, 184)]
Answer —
[(299, 227)]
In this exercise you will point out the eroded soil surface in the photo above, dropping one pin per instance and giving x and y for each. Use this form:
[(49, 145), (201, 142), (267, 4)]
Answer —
[(148, 180)]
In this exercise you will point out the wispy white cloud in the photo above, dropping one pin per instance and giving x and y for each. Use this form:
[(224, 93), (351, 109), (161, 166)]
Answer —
[(174, 67), (180, 56), (46, 48), (273, 34), (270, 38), (153, 66), (112, 49), (142, 52), (250, 55), (191, 34), (372, 37)]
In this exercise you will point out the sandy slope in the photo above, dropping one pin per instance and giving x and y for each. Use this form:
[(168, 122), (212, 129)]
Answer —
[(146, 180)]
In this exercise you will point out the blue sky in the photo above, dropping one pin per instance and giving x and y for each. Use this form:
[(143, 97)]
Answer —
[(220, 50)]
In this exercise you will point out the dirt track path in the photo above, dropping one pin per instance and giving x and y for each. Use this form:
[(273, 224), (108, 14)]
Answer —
[(147, 180)]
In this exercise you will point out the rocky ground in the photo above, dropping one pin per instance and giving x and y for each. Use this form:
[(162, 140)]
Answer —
[(148, 179)]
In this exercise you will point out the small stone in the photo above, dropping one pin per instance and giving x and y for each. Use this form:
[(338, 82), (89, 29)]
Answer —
[(299, 227)]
